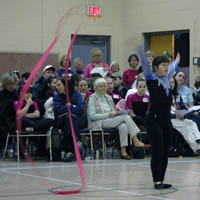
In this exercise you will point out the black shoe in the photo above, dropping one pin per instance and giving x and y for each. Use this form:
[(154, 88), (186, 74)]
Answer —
[(162, 186), (69, 157)]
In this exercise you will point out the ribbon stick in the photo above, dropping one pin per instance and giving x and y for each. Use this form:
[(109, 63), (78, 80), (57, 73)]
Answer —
[(26, 87), (78, 157)]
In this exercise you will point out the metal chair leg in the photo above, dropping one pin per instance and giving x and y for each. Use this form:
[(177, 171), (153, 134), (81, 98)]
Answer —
[(91, 145), (103, 144), (6, 146), (50, 145), (18, 156)]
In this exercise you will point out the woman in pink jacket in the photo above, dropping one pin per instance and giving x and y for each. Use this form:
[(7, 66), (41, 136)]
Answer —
[(96, 56)]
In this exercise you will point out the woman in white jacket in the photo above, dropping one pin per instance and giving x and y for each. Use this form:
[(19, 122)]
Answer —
[(102, 114)]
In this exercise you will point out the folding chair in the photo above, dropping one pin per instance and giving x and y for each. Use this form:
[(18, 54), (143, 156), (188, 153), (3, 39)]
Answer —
[(95, 132), (25, 133)]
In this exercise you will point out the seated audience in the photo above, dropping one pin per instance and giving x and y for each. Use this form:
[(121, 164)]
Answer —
[(61, 71), (62, 117), (114, 66), (119, 87), (183, 90), (8, 95), (23, 79), (96, 56), (102, 114), (186, 127), (150, 56), (30, 114), (46, 91), (134, 89), (130, 74), (196, 91), (78, 65), (48, 71), (116, 97), (139, 103)]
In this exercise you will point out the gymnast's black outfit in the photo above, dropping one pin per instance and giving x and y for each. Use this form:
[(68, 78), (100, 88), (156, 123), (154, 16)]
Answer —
[(158, 122)]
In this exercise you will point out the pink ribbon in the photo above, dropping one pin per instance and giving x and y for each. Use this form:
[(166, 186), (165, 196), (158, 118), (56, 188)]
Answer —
[(78, 156), (26, 87)]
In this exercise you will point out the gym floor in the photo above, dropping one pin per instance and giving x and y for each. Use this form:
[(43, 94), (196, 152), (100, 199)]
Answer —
[(105, 179)]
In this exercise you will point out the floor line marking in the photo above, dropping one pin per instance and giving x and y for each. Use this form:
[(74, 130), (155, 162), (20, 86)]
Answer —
[(93, 186), (96, 165)]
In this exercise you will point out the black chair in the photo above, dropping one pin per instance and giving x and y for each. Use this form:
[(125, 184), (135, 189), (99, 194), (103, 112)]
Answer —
[(98, 132), (27, 133)]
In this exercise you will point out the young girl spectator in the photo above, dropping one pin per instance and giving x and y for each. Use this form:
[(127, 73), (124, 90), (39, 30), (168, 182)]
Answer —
[(138, 103), (159, 126)]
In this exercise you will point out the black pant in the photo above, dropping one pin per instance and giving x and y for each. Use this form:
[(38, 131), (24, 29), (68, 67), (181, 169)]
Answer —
[(37, 124), (66, 139), (160, 138)]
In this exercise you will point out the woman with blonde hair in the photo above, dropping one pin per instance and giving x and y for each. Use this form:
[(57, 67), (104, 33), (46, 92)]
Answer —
[(96, 56)]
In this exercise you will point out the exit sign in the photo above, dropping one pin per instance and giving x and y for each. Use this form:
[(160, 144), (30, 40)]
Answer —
[(94, 11)]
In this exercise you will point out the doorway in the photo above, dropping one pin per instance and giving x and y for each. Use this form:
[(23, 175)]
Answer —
[(174, 42)]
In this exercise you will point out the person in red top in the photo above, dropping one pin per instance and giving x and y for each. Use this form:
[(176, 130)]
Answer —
[(30, 114), (139, 103), (130, 74)]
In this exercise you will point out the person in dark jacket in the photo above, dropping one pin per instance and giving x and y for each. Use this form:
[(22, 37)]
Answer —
[(8, 95), (62, 116), (48, 71)]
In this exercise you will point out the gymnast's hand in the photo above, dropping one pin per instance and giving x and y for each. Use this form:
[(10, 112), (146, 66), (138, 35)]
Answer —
[(178, 58)]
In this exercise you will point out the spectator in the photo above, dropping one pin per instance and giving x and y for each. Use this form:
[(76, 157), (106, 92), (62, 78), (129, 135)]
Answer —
[(119, 87), (139, 103), (116, 97), (183, 90), (78, 65), (130, 74), (62, 116), (115, 67), (196, 91), (8, 95), (186, 127), (150, 56), (40, 85), (30, 113), (134, 89), (61, 72), (102, 114), (23, 79), (97, 64)]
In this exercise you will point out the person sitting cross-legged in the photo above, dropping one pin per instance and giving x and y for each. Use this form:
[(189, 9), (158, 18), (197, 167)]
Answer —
[(102, 114)]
